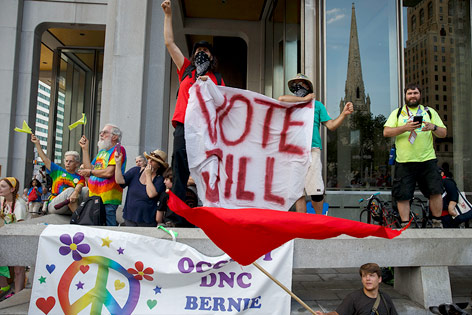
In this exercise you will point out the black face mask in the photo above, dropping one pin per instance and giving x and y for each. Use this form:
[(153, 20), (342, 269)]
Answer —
[(301, 91), (202, 62)]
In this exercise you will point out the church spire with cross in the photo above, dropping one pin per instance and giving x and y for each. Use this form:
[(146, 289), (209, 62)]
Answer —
[(354, 89)]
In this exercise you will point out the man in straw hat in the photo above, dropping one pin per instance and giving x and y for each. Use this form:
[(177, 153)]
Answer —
[(145, 185), (302, 87), (202, 64)]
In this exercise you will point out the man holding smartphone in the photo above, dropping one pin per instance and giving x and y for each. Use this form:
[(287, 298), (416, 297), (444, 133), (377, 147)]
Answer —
[(413, 126)]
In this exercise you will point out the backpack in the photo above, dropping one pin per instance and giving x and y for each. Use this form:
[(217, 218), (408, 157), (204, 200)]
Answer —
[(33, 196), (91, 211), (463, 205), (426, 108), (188, 73)]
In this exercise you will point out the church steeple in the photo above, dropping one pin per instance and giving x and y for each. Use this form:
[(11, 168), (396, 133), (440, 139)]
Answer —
[(354, 90)]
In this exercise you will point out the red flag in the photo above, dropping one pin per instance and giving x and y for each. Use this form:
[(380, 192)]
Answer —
[(247, 234)]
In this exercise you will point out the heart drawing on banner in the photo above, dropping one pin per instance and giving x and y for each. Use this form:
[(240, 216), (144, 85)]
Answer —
[(151, 304), (84, 268), (46, 305), (50, 268), (119, 285)]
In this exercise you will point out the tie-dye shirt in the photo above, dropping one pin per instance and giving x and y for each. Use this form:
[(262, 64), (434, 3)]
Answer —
[(107, 188), (62, 179)]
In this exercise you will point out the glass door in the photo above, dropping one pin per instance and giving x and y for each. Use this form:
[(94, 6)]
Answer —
[(77, 76)]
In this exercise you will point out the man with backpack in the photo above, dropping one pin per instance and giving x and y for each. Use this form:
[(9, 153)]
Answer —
[(202, 64), (368, 300), (413, 126), (452, 216)]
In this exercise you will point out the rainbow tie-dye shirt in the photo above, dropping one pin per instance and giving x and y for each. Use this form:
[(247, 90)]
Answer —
[(62, 179), (107, 188)]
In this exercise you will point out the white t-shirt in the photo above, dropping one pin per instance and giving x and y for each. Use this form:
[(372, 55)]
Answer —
[(9, 216)]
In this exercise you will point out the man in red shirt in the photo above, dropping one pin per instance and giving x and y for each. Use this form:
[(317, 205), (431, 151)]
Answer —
[(202, 64)]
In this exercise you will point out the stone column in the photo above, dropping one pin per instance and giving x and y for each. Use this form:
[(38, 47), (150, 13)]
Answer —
[(427, 286), (11, 16), (124, 70)]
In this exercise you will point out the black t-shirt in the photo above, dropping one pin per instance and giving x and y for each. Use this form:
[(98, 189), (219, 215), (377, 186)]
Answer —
[(357, 303)]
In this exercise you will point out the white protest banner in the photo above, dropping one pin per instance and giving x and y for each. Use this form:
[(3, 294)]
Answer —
[(245, 149), (84, 270)]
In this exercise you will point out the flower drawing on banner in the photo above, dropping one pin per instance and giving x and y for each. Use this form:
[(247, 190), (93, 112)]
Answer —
[(139, 273), (74, 245)]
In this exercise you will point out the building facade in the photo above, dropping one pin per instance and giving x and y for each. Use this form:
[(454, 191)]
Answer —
[(107, 59)]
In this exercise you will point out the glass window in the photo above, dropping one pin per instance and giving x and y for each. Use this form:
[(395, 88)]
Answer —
[(283, 56), (364, 72), (69, 84)]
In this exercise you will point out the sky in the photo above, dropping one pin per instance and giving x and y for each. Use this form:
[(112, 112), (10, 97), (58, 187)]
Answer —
[(377, 42)]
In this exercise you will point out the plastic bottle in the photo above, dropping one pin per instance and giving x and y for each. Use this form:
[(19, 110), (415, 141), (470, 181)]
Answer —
[(392, 156)]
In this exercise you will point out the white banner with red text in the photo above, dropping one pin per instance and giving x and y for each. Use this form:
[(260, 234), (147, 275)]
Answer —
[(84, 270), (245, 149)]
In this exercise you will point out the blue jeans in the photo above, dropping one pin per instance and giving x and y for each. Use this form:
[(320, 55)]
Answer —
[(111, 214)]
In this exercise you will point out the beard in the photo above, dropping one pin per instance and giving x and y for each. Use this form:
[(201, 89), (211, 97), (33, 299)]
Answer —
[(413, 103), (104, 144)]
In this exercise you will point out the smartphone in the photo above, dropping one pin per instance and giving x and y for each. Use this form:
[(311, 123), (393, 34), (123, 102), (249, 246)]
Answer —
[(418, 119), (118, 147)]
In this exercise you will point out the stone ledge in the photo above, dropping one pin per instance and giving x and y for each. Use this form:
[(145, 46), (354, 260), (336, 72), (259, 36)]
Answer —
[(415, 247)]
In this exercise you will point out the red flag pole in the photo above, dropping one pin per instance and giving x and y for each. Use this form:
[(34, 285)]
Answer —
[(284, 288)]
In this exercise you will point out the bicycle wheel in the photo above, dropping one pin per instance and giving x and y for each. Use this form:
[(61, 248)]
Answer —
[(365, 216), (376, 210), (393, 221), (414, 220)]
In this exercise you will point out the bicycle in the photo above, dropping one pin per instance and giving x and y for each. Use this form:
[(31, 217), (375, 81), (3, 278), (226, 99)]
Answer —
[(425, 213), (377, 212)]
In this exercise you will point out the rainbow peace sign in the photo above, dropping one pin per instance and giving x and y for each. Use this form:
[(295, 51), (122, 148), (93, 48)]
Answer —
[(99, 295)]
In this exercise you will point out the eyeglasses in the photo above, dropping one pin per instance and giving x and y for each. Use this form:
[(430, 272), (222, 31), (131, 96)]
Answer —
[(104, 132)]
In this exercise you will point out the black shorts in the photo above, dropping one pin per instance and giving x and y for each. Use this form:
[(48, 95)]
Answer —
[(426, 174)]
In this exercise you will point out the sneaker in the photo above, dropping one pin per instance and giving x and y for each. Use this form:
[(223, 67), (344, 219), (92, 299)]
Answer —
[(436, 224)]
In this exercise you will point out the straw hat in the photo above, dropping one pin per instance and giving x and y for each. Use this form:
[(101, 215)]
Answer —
[(299, 77), (159, 156)]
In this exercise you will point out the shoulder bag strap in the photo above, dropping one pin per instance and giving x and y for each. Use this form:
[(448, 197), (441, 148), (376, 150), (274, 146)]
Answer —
[(385, 302), (376, 304)]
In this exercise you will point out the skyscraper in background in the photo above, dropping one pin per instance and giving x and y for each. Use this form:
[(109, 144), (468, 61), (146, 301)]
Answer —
[(42, 121)]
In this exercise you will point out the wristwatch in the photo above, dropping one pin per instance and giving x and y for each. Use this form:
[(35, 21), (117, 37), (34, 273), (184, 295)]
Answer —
[(435, 128)]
